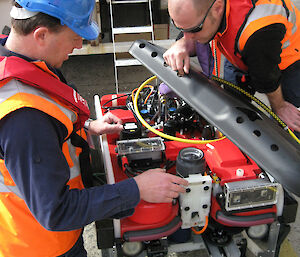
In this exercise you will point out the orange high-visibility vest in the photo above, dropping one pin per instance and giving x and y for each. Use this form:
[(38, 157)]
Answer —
[(244, 18), (20, 233)]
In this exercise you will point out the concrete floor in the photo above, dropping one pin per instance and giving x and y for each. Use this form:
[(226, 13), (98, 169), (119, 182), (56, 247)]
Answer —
[(94, 74)]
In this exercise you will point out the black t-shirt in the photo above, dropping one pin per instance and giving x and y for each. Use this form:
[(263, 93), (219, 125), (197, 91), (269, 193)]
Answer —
[(262, 56)]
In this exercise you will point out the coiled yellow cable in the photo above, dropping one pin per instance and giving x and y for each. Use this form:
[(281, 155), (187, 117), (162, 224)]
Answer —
[(260, 103), (159, 133)]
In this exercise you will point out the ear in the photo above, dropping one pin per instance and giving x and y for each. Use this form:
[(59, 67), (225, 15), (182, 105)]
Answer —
[(219, 8), (40, 35)]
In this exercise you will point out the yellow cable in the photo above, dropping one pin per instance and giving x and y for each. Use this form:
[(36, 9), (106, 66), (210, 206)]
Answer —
[(260, 103), (155, 131)]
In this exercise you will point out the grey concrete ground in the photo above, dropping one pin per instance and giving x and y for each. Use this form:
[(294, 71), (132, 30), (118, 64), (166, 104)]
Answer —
[(94, 74)]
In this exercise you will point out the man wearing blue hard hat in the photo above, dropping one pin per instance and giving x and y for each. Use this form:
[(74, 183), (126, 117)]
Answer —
[(45, 195)]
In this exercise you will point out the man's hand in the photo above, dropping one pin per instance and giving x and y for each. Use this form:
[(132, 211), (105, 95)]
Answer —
[(157, 186), (108, 124), (290, 115), (178, 56), (285, 110)]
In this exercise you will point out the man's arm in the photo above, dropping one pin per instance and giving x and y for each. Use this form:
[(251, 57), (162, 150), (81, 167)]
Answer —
[(262, 56), (285, 110), (178, 56), (108, 124), (31, 142)]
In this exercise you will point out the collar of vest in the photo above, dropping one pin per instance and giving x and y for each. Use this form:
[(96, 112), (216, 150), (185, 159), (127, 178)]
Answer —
[(235, 16), (37, 74), (223, 25)]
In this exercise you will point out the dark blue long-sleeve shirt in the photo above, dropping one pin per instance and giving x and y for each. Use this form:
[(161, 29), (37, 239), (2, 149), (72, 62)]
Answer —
[(30, 142)]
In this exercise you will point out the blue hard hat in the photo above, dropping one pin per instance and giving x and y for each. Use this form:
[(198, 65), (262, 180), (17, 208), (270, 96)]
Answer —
[(76, 14)]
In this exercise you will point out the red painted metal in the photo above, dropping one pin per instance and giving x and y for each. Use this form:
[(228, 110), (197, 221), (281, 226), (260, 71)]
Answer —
[(223, 159)]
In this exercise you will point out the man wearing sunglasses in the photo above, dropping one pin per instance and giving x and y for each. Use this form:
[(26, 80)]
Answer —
[(260, 39)]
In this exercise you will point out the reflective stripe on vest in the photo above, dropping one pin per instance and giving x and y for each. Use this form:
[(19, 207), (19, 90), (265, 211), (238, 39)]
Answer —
[(20, 232), (8, 189), (16, 95), (73, 159), (38, 75), (219, 60), (243, 20), (270, 12)]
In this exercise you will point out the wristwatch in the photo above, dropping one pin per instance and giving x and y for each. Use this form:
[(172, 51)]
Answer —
[(87, 124)]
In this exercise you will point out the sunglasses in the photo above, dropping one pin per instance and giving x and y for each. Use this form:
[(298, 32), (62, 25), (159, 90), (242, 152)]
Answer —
[(198, 27)]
